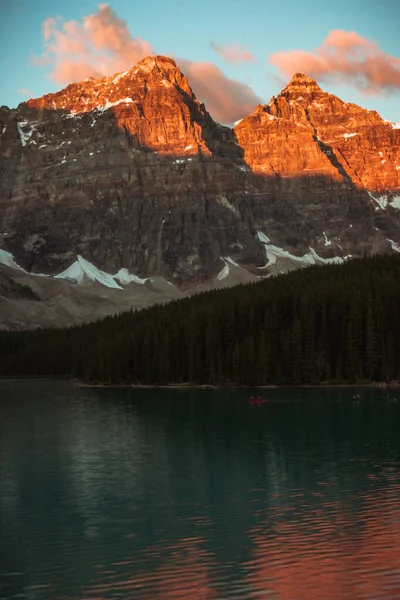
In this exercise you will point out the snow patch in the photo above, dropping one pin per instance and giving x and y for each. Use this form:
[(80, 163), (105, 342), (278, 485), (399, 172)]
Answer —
[(349, 135), (73, 115), (231, 125), (83, 272), (231, 261), (381, 201), (25, 137), (109, 104), (118, 77), (188, 148), (327, 242), (125, 277), (273, 253), (226, 270), (224, 273), (264, 239), (395, 202), (6, 258), (395, 246)]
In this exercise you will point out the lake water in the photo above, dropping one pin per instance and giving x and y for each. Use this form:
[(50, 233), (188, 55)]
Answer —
[(175, 494)]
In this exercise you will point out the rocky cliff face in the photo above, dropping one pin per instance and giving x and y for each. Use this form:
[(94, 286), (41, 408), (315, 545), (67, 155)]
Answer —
[(131, 172), (308, 130)]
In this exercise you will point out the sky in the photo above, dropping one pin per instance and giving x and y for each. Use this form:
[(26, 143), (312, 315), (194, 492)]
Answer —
[(235, 54)]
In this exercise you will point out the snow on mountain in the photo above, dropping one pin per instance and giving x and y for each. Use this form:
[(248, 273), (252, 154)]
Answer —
[(273, 253), (83, 272), (125, 278), (394, 245), (231, 125), (229, 262), (264, 239), (224, 273), (109, 104), (383, 202), (395, 202), (6, 258)]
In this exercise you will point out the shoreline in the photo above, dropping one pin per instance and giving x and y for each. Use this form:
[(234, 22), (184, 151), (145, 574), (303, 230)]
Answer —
[(191, 386), (202, 386)]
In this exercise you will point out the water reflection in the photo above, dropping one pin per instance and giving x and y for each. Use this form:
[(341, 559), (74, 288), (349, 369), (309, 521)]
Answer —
[(197, 494), (185, 572), (326, 553)]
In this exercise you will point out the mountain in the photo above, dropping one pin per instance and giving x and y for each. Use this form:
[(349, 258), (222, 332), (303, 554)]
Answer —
[(130, 173), (312, 131)]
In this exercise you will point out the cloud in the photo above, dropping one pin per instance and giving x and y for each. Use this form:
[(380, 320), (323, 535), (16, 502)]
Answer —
[(344, 57), (25, 92), (226, 99), (101, 44), (47, 27), (233, 53)]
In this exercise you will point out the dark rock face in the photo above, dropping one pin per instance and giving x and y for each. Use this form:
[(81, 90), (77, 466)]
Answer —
[(131, 171)]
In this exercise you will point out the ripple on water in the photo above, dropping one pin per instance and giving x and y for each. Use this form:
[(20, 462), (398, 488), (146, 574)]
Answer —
[(159, 495)]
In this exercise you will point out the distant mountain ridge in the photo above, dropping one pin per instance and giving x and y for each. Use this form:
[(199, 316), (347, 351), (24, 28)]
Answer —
[(132, 174)]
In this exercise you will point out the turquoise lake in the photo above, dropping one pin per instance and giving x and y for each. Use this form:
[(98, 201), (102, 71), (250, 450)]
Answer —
[(175, 494)]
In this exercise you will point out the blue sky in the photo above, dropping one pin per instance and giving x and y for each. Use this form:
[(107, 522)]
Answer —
[(179, 28)]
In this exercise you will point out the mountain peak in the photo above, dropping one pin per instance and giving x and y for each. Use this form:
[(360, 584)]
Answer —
[(158, 60), (129, 87), (162, 67), (301, 77), (301, 83)]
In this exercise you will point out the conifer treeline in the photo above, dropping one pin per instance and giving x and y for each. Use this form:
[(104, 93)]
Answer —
[(332, 323)]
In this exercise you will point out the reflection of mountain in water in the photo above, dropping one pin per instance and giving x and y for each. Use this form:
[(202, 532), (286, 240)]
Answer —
[(196, 493)]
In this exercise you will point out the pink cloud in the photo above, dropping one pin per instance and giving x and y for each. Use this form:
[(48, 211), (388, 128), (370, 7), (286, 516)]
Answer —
[(101, 44), (48, 26), (233, 53), (25, 92), (226, 99), (344, 57)]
